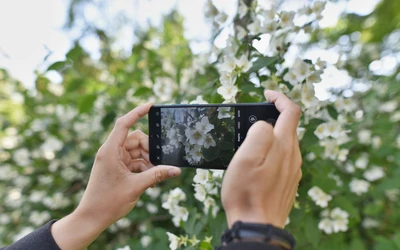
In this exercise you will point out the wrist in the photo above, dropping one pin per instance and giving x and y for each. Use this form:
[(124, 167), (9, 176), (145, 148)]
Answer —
[(251, 216), (77, 230), (262, 233)]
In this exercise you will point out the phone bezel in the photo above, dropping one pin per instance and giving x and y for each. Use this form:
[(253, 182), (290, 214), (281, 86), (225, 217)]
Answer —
[(155, 153)]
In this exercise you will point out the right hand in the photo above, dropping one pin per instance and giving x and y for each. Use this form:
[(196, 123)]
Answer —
[(261, 181)]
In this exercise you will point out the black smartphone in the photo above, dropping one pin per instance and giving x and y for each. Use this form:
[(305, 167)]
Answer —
[(202, 135)]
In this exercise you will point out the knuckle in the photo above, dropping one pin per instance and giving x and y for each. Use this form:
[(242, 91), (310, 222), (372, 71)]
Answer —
[(158, 176), (297, 110), (101, 153), (120, 121)]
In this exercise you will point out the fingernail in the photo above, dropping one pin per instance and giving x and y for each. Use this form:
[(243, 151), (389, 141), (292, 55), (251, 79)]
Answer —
[(173, 172)]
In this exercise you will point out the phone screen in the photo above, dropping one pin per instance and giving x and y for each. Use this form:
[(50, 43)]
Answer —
[(202, 136)]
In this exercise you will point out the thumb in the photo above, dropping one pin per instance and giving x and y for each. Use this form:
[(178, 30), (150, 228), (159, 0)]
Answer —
[(157, 174)]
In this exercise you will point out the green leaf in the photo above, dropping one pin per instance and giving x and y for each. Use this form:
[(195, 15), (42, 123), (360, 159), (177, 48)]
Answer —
[(384, 243), (59, 66), (108, 118), (357, 244), (332, 111), (211, 153), (190, 223), (85, 104), (249, 87), (262, 62), (396, 240), (311, 231), (75, 84), (143, 91)]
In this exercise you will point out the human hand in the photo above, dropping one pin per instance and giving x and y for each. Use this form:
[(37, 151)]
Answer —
[(120, 174), (261, 181)]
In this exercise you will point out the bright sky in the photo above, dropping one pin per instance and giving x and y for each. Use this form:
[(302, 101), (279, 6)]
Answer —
[(29, 30)]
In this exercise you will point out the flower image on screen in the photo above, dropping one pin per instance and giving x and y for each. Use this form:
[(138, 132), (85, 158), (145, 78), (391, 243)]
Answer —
[(197, 136)]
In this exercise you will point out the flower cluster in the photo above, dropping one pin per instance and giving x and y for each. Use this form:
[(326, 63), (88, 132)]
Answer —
[(171, 203), (334, 221), (178, 241), (319, 197), (206, 184)]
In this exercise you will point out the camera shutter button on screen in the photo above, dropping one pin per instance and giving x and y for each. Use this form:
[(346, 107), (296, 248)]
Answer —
[(252, 119)]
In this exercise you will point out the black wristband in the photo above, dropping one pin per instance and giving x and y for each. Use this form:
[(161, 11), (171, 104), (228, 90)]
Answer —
[(266, 233)]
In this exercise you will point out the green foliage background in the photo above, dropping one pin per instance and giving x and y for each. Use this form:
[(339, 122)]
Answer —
[(96, 92)]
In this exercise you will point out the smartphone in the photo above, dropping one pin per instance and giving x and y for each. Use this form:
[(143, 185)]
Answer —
[(202, 135)]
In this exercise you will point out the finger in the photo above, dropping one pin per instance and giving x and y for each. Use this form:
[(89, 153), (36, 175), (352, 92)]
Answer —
[(121, 128), (290, 113), (137, 139), (138, 165), (155, 175), (258, 141)]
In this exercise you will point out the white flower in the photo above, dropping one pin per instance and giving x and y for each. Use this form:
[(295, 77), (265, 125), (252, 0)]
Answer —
[(269, 27), (227, 79), (364, 136), (342, 156), (359, 186), (319, 197), (221, 18), (174, 241), (210, 203), (376, 142), (164, 88), (334, 221), (301, 69), (217, 173), (228, 65), (22, 157), (179, 214), (227, 91), (333, 129), (321, 131), (124, 248), (224, 112), (153, 192), (370, 223), (151, 208), (362, 161), (199, 100), (326, 225), (145, 241), (123, 223), (287, 19), (318, 7), (39, 218), (346, 105), (200, 192), (308, 95), (242, 10), (243, 63), (4, 219), (196, 137), (389, 107), (201, 176), (340, 220), (204, 125), (269, 15), (209, 141), (255, 27), (374, 174), (25, 231), (291, 78)]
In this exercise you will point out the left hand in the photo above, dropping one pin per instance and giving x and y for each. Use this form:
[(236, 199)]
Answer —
[(120, 174)]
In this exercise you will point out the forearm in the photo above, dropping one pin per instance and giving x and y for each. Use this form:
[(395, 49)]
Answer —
[(77, 230)]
